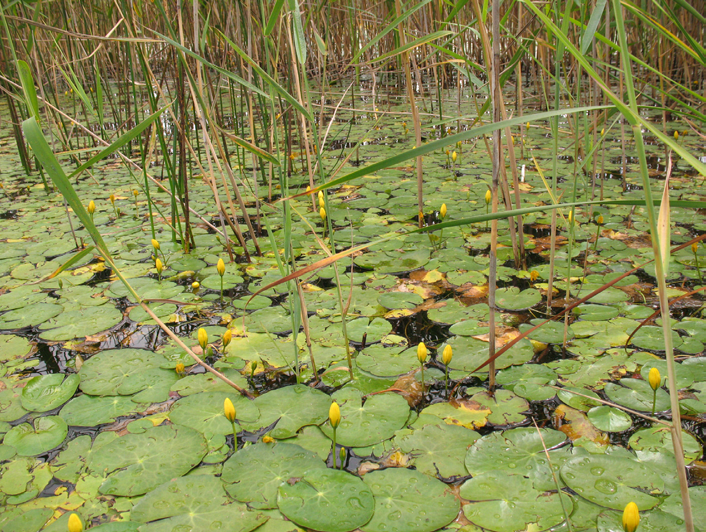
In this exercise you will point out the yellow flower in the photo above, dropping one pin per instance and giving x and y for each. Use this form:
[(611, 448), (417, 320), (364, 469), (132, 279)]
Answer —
[(226, 338), (195, 286), (654, 378), (75, 524), (631, 517), (676, 135), (334, 415), (155, 244), (599, 219), (221, 267), (527, 125), (322, 213), (454, 155), (112, 199), (694, 247), (203, 338), (267, 439), (179, 368), (422, 352), (442, 211), (229, 410), (488, 197), (91, 207), (534, 274), (158, 264), (321, 199), (602, 132), (447, 355), (135, 193)]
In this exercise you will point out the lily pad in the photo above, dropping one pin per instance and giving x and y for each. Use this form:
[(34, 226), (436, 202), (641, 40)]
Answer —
[(370, 423), (505, 502), (29, 316), (327, 500), (637, 395), (659, 438), (204, 412), (253, 474), (138, 463), (439, 449), (89, 411), (43, 435), (613, 481), (80, 323), (198, 502), (374, 329), (609, 419), (109, 371), (505, 407), (512, 298), (409, 501), (291, 408), (46, 392)]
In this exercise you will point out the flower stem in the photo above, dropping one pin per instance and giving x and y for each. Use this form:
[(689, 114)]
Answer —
[(333, 449)]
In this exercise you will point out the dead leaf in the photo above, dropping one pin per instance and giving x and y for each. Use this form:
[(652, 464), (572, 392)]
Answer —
[(575, 425)]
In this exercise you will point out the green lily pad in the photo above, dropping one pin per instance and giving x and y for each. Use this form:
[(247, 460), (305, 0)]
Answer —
[(138, 463), (609, 419), (684, 373), (439, 449), (204, 412), (505, 502), (659, 438), (374, 329), (400, 300), (409, 501), (46, 392), (42, 436), (512, 299), (89, 411), (253, 474), (370, 423), (469, 353), (637, 395), (652, 521), (505, 407), (292, 408), (591, 312), (230, 280), (465, 414), (382, 361), (13, 347), (652, 338), (518, 451), (327, 500), (613, 481), (29, 316), (198, 502), (577, 401), (107, 372), (10, 401), (80, 323), (29, 521)]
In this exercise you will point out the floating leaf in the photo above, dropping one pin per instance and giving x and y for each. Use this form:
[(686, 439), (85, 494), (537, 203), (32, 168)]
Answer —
[(41, 436), (46, 392)]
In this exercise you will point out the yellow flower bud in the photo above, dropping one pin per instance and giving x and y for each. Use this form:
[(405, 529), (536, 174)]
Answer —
[(570, 217), (321, 199), (404, 125), (158, 264), (226, 338), (155, 244), (75, 524), (422, 352), (443, 211), (527, 125), (631, 517), (91, 207), (602, 132), (676, 135), (179, 368), (534, 274), (447, 355), (334, 415), (322, 213), (221, 267), (112, 199), (448, 152), (488, 197), (203, 338), (195, 286), (654, 378), (267, 439), (135, 193), (229, 410), (599, 219), (454, 156), (694, 247)]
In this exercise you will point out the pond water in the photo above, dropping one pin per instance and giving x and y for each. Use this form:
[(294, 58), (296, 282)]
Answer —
[(95, 417)]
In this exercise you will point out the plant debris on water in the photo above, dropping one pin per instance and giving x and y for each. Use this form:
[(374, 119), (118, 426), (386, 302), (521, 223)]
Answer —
[(233, 296)]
